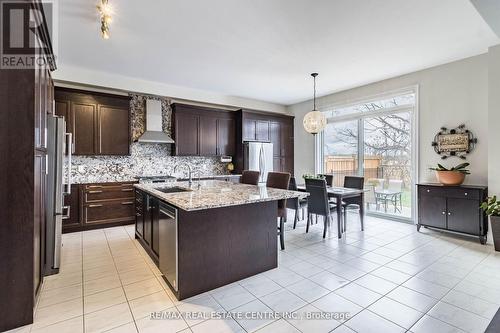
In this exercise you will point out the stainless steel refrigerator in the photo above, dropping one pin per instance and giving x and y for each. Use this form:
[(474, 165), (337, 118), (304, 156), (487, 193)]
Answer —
[(58, 185), (259, 157)]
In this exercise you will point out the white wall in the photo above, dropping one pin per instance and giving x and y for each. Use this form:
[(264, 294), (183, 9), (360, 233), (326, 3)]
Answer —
[(450, 95), (494, 121), (80, 76)]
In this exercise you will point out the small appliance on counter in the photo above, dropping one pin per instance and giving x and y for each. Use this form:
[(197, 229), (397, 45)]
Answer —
[(59, 145)]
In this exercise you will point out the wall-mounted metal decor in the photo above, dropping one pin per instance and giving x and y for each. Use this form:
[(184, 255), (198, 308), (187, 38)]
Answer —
[(457, 141)]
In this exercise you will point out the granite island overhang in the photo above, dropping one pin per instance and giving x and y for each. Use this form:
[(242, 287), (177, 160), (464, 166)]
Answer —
[(210, 234)]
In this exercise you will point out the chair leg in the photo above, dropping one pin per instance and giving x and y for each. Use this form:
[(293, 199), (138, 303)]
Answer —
[(282, 233), (325, 227), (345, 219), (295, 218), (308, 222)]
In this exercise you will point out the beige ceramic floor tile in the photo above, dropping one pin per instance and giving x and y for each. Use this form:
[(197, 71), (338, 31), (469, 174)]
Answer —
[(136, 275), (108, 318), (74, 325), (58, 295), (102, 284), (142, 288), (103, 300), (58, 312), (143, 306), (127, 328), (148, 325)]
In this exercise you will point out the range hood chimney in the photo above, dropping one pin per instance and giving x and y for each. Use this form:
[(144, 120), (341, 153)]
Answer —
[(154, 129)]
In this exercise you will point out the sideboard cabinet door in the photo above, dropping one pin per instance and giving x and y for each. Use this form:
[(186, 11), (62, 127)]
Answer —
[(463, 215), (432, 210)]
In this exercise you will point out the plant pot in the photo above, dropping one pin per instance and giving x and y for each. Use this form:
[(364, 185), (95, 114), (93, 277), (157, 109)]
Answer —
[(495, 230), (450, 177)]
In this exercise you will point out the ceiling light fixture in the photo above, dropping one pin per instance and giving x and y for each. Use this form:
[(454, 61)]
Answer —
[(314, 121), (105, 11)]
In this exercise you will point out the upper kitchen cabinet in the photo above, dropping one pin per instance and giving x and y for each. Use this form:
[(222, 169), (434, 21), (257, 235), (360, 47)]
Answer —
[(265, 127), (100, 123), (202, 131)]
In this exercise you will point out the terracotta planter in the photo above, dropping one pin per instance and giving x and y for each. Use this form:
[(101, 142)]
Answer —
[(495, 230), (450, 177)]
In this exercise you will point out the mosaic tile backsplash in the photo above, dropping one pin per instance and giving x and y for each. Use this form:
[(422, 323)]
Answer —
[(146, 159)]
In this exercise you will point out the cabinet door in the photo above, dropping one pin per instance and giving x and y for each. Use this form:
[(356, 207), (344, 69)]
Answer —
[(155, 234), (464, 215), (277, 164), (139, 214), (186, 134), (432, 211), (262, 129), (73, 202), (287, 138), (275, 132), (249, 130), (39, 218), (113, 131), (226, 137), (109, 212), (287, 165), (84, 129), (208, 136), (148, 218)]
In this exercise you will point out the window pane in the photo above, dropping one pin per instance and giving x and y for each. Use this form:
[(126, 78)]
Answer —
[(401, 100), (341, 150)]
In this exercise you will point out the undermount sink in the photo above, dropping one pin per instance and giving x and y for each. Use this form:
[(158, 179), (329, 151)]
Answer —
[(172, 189)]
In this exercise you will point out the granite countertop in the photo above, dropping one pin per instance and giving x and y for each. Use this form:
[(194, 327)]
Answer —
[(111, 178), (215, 193)]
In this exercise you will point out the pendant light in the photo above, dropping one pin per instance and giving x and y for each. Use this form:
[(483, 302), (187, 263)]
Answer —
[(314, 121)]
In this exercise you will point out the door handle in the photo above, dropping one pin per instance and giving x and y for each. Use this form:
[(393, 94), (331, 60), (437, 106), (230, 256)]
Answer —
[(68, 212)]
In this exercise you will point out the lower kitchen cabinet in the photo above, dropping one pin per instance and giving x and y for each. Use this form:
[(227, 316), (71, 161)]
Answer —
[(100, 205), (453, 208), (147, 223)]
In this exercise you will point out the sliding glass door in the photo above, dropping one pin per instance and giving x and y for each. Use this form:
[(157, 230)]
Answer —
[(375, 140)]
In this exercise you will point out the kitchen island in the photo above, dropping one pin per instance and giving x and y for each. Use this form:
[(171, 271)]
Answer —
[(210, 234)]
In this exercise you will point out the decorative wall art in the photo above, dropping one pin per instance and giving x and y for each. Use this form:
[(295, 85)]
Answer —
[(457, 142)]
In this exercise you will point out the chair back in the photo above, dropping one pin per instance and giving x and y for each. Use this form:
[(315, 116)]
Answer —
[(317, 202), (328, 178), (354, 182), (292, 204), (395, 185), (250, 177), (279, 180)]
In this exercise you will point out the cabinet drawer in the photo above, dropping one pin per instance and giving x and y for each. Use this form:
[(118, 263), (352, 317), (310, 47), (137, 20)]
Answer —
[(109, 194), (431, 191), (109, 212), (463, 193)]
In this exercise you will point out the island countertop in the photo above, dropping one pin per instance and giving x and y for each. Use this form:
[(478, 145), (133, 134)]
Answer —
[(215, 193)]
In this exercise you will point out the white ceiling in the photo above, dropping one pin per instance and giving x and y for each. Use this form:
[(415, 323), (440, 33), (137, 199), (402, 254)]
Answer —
[(266, 49)]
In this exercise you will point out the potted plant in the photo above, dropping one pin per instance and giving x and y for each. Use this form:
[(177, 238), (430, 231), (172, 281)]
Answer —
[(453, 176), (309, 176), (492, 209)]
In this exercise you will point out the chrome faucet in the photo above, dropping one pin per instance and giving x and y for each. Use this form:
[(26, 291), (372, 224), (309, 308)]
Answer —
[(190, 171)]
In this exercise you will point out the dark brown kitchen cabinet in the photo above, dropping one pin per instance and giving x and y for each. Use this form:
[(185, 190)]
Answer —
[(453, 208), (100, 123), (100, 205), (25, 95), (147, 223), (255, 129), (202, 131)]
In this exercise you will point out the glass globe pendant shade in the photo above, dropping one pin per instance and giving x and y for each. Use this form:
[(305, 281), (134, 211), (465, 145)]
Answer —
[(314, 122)]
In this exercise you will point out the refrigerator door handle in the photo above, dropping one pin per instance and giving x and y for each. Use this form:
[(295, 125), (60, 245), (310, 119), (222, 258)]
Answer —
[(68, 212), (69, 149)]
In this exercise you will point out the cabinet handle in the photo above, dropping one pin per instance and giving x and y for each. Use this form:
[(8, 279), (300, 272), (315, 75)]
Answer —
[(449, 213), (93, 192), (94, 186), (465, 193), (95, 206), (128, 203), (444, 213), (127, 189), (428, 191)]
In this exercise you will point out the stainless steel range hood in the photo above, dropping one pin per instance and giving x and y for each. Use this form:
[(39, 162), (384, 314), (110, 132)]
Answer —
[(154, 129)]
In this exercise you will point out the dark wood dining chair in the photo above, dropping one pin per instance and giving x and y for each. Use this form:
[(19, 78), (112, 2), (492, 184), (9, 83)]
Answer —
[(318, 204), (328, 178), (353, 203), (250, 177), (296, 204), (280, 180)]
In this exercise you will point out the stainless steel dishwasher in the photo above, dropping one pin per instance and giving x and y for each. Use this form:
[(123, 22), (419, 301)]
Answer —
[(168, 244)]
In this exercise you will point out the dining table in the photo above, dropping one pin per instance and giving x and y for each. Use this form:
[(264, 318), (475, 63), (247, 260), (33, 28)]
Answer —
[(356, 196)]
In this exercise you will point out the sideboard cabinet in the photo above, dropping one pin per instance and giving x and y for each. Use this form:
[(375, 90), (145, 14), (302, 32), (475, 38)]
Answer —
[(453, 208)]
